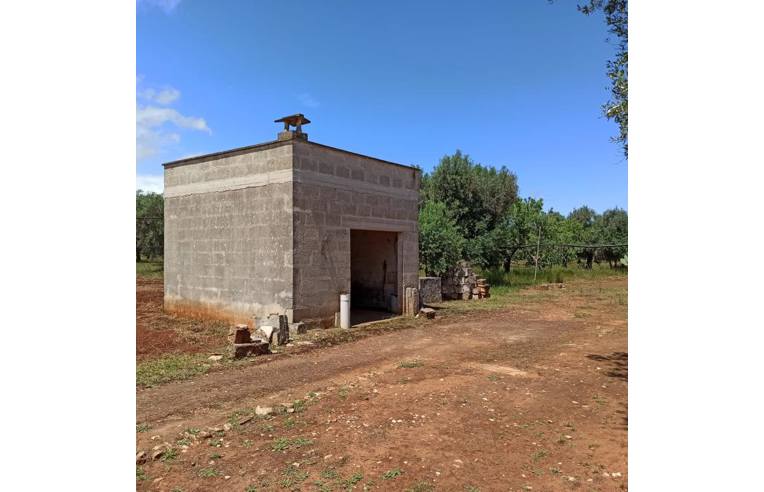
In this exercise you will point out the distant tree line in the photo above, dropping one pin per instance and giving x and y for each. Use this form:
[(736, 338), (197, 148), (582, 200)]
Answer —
[(149, 225), (468, 211)]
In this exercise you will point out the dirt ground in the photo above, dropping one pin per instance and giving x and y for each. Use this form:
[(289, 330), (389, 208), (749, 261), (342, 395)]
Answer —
[(532, 396), (158, 333)]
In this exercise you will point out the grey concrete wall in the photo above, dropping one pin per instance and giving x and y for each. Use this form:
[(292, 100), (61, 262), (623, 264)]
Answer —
[(229, 235), (335, 192)]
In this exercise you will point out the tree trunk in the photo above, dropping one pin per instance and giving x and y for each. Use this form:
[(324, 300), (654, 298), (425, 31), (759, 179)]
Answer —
[(508, 262), (589, 259), (137, 254)]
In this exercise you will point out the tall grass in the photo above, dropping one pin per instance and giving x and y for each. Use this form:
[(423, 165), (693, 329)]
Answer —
[(522, 276), (151, 269)]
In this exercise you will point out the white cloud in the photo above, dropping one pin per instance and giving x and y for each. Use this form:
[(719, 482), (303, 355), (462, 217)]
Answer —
[(157, 126), (163, 96), (168, 6), (308, 100), (152, 116), (149, 182)]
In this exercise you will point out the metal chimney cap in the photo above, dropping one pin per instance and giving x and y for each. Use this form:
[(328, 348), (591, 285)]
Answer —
[(296, 120)]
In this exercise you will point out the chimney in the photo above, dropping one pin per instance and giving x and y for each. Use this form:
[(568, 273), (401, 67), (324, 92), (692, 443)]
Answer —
[(295, 120)]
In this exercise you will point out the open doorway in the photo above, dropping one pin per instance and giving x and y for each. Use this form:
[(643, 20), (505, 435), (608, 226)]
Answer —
[(373, 276)]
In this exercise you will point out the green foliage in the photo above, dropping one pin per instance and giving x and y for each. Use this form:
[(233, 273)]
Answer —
[(617, 108), (475, 196), (440, 242), (472, 212), (614, 229), (149, 228), (518, 228)]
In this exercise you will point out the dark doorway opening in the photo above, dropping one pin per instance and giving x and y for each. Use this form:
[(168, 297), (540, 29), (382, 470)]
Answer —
[(373, 275)]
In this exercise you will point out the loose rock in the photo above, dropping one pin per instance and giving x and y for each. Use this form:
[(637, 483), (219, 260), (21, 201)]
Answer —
[(263, 411)]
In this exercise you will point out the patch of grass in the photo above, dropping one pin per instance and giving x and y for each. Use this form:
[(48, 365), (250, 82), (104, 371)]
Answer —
[(216, 443), (251, 488), (140, 474), (321, 486), (289, 423), (292, 476), (247, 443), (193, 431), (410, 364), (540, 454), (329, 474), (421, 487), (208, 473), (284, 443), (170, 455), (493, 377), (599, 400), (142, 428), (215, 456), (299, 406), (171, 367), (343, 392), (349, 483), (183, 442), (280, 444), (149, 269), (470, 488), (522, 276), (391, 474)]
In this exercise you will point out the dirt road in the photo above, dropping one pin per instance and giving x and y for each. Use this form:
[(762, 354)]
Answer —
[(529, 397)]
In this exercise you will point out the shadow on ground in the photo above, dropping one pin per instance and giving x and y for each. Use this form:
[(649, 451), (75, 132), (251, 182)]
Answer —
[(618, 362)]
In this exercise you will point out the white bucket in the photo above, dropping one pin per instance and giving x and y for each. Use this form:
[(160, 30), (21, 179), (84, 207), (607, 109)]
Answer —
[(344, 310)]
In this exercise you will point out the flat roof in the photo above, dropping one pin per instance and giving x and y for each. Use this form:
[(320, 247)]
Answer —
[(270, 145)]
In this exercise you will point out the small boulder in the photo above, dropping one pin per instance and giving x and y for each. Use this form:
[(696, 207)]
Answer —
[(215, 357), (428, 313), (263, 411), (265, 333)]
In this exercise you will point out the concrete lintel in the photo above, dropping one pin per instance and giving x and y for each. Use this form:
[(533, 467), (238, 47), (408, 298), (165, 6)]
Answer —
[(378, 224)]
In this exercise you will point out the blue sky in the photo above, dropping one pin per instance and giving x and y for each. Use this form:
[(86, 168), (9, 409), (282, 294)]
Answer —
[(516, 84)]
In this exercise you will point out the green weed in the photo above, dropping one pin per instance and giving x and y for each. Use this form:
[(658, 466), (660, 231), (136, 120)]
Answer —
[(171, 367), (391, 474), (208, 473), (409, 364), (349, 483)]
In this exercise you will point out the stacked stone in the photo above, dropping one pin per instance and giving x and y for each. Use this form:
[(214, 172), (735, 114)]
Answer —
[(459, 282), (483, 289)]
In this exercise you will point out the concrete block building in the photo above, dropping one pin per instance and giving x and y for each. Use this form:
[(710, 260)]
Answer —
[(285, 227)]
